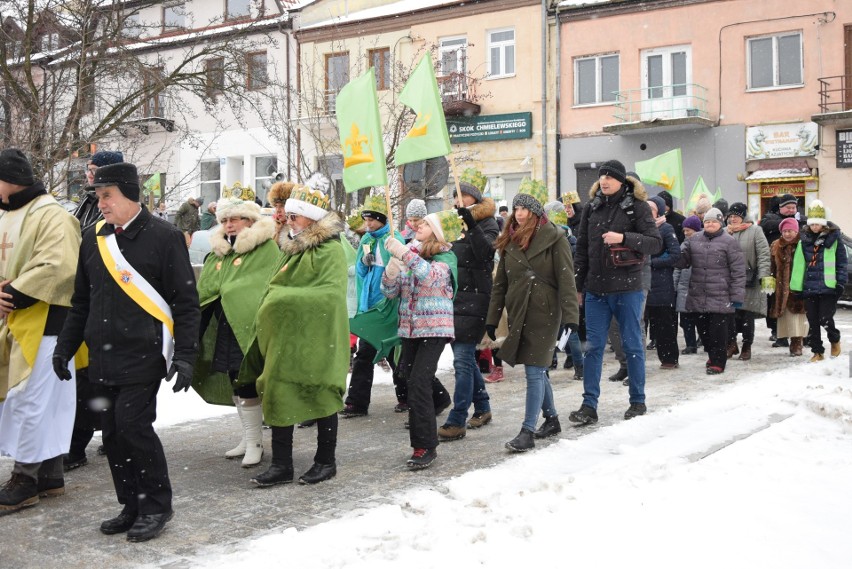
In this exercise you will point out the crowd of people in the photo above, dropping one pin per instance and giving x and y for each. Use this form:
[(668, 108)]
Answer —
[(97, 311)]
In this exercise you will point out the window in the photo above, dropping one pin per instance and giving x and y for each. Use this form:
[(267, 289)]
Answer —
[(131, 27), (336, 76), (453, 56), (155, 99), (174, 17), (215, 69), (265, 168), (50, 42), (237, 9), (775, 61), (211, 183), (257, 77), (501, 53), (380, 60), (595, 79)]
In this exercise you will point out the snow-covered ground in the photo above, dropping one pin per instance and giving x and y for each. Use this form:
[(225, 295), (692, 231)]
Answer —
[(756, 474)]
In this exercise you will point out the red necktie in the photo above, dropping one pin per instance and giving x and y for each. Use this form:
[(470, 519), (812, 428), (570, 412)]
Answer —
[(119, 230)]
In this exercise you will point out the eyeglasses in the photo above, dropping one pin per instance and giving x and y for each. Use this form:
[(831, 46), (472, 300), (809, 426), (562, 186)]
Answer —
[(291, 216)]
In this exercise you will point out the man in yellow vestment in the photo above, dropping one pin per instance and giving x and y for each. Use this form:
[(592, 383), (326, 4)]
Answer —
[(39, 246)]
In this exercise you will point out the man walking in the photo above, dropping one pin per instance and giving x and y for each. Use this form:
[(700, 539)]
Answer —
[(187, 218), (136, 306)]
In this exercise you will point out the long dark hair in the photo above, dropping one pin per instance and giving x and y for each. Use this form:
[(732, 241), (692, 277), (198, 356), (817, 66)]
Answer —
[(513, 231)]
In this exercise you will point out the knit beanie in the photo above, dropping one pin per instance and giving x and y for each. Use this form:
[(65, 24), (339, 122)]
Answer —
[(713, 214), (15, 168), (613, 169), (667, 197), (788, 223), (786, 199), (660, 203), (740, 209), (416, 208), (105, 158), (376, 208), (532, 195), (472, 182), (692, 222)]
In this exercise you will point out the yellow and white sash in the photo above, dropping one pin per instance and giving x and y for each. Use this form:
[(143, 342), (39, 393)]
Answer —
[(137, 288)]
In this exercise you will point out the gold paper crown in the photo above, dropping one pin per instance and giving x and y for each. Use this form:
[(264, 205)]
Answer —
[(376, 204), (313, 197), (475, 178), (354, 221), (570, 197), (238, 191)]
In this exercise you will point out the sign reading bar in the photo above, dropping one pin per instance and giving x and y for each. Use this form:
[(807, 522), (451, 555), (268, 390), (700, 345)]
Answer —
[(781, 140), (844, 149), (491, 127)]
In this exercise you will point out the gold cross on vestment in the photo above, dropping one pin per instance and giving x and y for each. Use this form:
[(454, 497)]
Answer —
[(5, 245)]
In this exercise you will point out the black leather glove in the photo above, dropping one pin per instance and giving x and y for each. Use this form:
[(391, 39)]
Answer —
[(467, 217), (491, 331), (184, 371), (572, 327), (838, 290), (60, 367)]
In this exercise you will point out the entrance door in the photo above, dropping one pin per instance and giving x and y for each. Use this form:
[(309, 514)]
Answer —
[(666, 82)]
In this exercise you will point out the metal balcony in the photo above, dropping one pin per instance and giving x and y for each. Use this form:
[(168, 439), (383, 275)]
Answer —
[(458, 94), (662, 108), (835, 101)]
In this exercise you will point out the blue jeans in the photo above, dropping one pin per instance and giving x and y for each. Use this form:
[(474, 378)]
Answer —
[(539, 396), (470, 387), (626, 307)]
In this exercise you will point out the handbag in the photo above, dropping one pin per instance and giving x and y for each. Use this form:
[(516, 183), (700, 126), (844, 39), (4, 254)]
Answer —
[(625, 256)]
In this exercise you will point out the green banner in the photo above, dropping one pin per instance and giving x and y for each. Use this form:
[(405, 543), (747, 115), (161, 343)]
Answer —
[(490, 127)]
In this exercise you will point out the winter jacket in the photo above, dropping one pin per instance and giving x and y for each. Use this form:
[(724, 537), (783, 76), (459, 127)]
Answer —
[(770, 222), (812, 271), (673, 218), (718, 272), (187, 219), (755, 249), (595, 271), (369, 275), (536, 287), (125, 342), (681, 283), (663, 291), (425, 289), (208, 220), (781, 267), (475, 255)]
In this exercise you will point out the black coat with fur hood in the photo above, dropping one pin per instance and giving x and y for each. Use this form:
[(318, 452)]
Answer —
[(594, 269), (475, 254)]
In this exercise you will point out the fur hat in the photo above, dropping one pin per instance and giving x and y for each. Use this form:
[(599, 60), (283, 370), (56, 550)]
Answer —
[(122, 175), (556, 212), (660, 203), (279, 192), (713, 214), (235, 207), (304, 201), (532, 195), (613, 169), (788, 223), (106, 157), (375, 207), (416, 208), (738, 208), (692, 222), (817, 213), (786, 199), (15, 168), (446, 225)]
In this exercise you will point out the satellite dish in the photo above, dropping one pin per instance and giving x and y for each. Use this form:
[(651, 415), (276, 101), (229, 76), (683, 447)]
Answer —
[(427, 177)]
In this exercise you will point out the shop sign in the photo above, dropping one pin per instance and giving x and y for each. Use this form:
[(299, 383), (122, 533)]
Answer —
[(844, 149), (781, 140), (796, 188), (490, 127)]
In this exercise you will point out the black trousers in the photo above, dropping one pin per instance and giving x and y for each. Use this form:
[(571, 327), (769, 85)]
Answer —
[(713, 330), (742, 322), (418, 363), (89, 410), (663, 324), (771, 323), (820, 311), (134, 452), (282, 442), (361, 382)]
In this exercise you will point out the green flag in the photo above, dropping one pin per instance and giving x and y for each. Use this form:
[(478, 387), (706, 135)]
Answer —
[(357, 110), (428, 137), (152, 185), (698, 190), (665, 170), (718, 195)]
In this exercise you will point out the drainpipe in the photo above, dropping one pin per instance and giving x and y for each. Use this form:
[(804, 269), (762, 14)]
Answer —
[(543, 91), (558, 90)]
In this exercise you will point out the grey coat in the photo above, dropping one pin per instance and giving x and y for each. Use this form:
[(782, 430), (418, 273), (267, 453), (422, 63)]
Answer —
[(755, 248), (681, 283), (718, 272)]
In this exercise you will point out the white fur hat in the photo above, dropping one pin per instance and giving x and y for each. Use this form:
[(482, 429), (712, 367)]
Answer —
[(235, 207)]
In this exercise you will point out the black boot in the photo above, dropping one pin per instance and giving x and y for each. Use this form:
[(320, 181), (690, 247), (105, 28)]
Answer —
[(277, 474), (318, 473), (585, 415), (523, 442), (148, 526), (549, 428), (19, 492), (620, 375)]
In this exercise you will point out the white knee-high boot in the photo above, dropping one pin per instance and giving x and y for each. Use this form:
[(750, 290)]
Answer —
[(252, 417), (240, 449)]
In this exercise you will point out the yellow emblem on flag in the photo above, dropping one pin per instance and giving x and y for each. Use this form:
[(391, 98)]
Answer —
[(665, 181), (420, 127), (356, 141)]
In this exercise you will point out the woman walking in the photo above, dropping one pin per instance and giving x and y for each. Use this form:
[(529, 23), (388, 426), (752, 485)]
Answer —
[(787, 311)]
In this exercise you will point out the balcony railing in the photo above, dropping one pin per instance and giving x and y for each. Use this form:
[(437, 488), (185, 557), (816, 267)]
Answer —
[(458, 93), (676, 101), (835, 94)]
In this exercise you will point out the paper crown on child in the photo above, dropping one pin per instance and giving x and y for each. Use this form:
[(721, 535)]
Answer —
[(570, 197), (447, 225), (817, 213), (375, 204), (556, 212)]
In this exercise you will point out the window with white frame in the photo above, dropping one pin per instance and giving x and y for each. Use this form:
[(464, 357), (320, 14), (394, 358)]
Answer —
[(453, 56), (174, 16), (775, 61), (237, 9), (131, 25), (501, 53), (265, 168), (596, 79), (211, 183)]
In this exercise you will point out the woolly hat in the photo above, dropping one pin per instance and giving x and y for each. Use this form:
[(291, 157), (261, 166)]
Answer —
[(472, 182), (817, 213), (279, 192), (15, 168), (740, 209), (570, 197), (122, 175), (446, 225), (106, 157), (786, 199), (702, 205), (713, 214), (416, 208), (692, 222), (722, 205), (788, 223), (307, 202), (556, 213), (660, 203), (375, 207), (235, 207), (613, 169), (667, 197), (532, 194)]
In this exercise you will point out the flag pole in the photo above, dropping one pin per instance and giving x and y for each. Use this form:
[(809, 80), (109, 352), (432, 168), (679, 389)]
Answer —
[(455, 179), (390, 211)]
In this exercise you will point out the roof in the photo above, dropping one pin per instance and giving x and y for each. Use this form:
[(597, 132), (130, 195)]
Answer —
[(390, 9), (780, 175)]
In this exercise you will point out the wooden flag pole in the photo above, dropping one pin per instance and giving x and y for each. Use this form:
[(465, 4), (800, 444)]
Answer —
[(455, 179), (390, 211)]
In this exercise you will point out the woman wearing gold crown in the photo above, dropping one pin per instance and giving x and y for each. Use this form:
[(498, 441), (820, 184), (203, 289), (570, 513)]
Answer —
[(231, 285), (308, 292)]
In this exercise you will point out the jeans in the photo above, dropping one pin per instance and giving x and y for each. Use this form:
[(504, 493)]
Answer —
[(539, 396), (627, 308), (576, 350), (470, 386)]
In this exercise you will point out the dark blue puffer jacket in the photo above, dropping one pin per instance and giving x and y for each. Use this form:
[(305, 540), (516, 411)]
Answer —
[(663, 291), (813, 283)]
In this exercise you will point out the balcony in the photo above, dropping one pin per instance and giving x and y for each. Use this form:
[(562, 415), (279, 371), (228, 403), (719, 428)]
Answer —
[(458, 94), (835, 101), (663, 108)]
